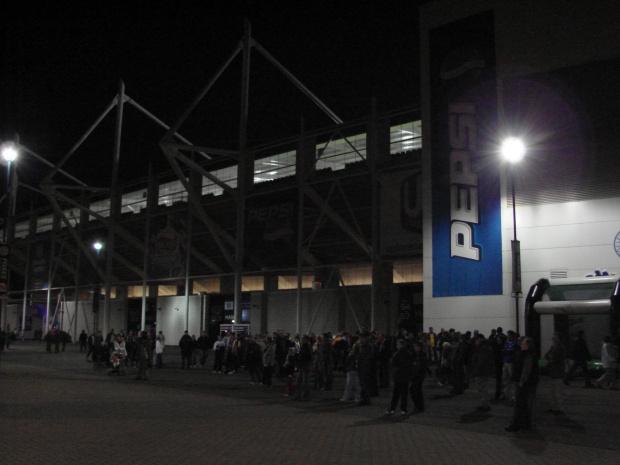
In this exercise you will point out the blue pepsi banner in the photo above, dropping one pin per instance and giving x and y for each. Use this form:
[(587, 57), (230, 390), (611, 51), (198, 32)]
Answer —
[(466, 218)]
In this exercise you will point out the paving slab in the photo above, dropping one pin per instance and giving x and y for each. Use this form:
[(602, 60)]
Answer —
[(57, 408)]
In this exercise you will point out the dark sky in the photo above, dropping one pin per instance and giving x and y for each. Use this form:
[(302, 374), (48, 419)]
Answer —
[(62, 62)]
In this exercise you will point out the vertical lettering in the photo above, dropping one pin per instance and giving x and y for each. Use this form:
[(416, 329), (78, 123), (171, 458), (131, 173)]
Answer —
[(462, 242)]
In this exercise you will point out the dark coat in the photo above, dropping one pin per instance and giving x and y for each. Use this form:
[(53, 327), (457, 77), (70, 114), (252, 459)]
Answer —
[(401, 364), (420, 365), (483, 360)]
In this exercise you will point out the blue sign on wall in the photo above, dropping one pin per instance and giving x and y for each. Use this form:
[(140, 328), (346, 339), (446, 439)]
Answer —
[(467, 255)]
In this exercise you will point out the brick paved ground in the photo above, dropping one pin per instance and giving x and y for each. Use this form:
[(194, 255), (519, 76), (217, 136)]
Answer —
[(56, 408)]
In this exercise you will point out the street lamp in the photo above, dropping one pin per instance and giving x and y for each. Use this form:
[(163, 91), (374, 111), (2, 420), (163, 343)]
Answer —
[(98, 246), (9, 154), (513, 151)]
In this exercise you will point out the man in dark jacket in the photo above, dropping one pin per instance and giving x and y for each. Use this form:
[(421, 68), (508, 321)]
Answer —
[(254, 360), (401, 365), (525, 374), (202, 345), (187, 346), (483, 369)]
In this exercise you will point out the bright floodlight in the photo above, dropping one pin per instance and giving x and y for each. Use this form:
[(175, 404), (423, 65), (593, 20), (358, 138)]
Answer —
[(513, 149), (9, 153), (97, 246)]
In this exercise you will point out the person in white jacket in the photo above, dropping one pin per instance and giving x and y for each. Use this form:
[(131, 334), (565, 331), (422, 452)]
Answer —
[(159, 353)]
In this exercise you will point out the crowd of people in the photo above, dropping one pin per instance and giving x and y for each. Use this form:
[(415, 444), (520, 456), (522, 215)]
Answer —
[(503, 366)]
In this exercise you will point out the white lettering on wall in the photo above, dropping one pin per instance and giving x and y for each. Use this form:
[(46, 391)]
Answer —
[(464, 202)]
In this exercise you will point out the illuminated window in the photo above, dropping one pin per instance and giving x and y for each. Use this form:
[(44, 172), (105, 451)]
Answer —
[(210, 285), (356, 275), (406, 137), (172, 192), (290, 282), (101, 207), (133, 201), (136, 291), (166, 290), (408, 271), (274, 167), (252, 283)]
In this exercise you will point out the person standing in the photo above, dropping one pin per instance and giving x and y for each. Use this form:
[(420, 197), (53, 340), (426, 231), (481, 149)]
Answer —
[(483, 369), (401, 366), (507, 353), (91, 345), (580, 356), (83, 339), (556, 359), (525, 374), (253, 360), (457, 364), (159, 353), (419, 370), (352, 387), (304, 362), (218, 348), (186, 346), (143, 355), (202, 346), (609, 357), (365, 368), (269, 361)]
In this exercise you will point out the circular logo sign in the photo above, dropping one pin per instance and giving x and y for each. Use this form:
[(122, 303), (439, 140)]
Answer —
[(617, 244)]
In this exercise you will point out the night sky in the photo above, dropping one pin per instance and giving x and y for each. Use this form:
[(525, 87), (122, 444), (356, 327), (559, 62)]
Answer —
[(62, 63)]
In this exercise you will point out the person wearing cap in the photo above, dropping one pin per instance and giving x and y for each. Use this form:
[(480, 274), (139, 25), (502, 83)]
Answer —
[(401, 365)]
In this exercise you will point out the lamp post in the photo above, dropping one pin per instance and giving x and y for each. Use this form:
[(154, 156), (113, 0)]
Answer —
[(513, 151), (97, 245), (9, 155)]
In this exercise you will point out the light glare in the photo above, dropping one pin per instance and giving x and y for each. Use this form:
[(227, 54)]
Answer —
[(9, 153), (513, 149)]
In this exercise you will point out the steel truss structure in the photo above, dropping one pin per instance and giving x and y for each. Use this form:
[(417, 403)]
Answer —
[(334, 217)]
